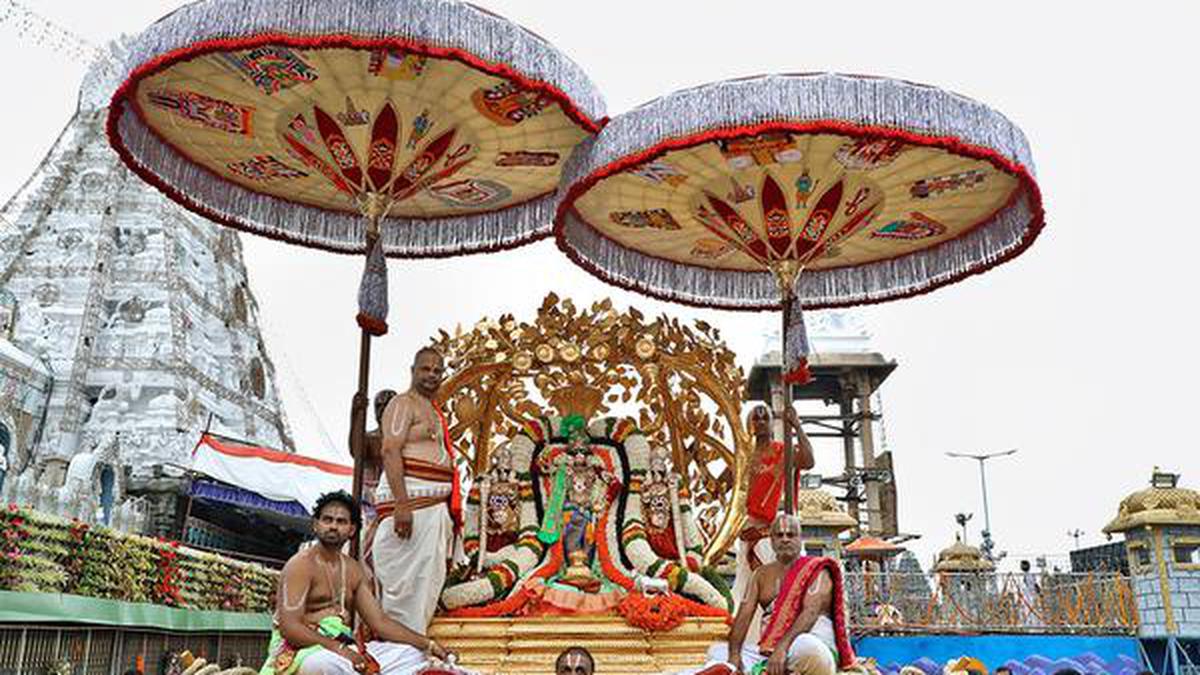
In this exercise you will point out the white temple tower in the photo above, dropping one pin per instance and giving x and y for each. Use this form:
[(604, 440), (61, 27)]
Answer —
[(141, 310)]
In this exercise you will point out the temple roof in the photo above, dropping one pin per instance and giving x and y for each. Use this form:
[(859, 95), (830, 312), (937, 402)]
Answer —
[(818, 508), (1157, 506), (869, 547), (960, 557)]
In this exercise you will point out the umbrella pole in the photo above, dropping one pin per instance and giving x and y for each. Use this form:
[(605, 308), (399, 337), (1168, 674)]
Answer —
[(358, 433), (358, 418), (786, 272), (783, 406)]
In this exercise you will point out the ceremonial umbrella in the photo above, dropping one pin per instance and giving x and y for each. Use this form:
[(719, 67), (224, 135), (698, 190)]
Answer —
[(408, 128), (799, 191)]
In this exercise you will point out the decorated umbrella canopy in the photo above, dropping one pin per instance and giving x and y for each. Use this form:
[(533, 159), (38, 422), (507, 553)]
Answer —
[(799, 191), (405, 128)]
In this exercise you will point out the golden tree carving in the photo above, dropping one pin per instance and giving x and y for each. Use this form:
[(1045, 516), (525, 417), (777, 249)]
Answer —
[(679, 383)]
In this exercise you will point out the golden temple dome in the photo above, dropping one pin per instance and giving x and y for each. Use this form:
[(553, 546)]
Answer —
[(818, 508), (960, 557), (1163, 503)]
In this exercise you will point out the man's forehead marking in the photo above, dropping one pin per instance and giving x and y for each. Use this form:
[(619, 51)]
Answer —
[(787, 523)]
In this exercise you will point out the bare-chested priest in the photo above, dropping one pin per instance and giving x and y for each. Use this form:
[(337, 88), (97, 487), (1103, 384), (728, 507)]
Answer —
[(418, 499), (372, 440), (804, 617), (317, 589)]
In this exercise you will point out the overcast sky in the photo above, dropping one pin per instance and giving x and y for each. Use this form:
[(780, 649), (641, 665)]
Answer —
[(1081, 352)]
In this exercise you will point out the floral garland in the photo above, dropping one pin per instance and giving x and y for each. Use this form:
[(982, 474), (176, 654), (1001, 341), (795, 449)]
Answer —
[(76, 564), (13, 532), (507, 607), (660, 613), (232, 599), (606, 564), (48, 554), (167, 589)]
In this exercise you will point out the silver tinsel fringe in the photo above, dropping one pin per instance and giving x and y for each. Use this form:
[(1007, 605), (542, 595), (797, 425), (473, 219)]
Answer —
[(444, 23), (799, 98), (869, 101), (437, 22)]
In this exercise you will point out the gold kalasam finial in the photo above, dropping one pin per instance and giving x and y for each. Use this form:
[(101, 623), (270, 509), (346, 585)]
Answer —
[(680, 385)]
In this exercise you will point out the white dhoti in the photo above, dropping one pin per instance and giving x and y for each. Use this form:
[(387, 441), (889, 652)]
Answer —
[(409, 573), (393, 658), (742, 575), (811, 653)]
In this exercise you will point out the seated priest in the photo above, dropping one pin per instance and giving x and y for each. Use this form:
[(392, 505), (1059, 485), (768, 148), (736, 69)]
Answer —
[(317, 589), (804, 619)]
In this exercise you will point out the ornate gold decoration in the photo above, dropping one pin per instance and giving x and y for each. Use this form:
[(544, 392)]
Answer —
[(679, 383), (524, 646), (569, 353), (959, 557), (1157, 506), (818, 508)]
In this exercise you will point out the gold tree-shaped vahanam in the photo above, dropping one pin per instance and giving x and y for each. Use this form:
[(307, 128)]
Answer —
[(679, 382)]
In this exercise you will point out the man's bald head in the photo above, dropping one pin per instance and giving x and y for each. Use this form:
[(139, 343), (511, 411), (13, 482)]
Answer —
[(785, 537), (427, 370), (426, 352), (575, 661)]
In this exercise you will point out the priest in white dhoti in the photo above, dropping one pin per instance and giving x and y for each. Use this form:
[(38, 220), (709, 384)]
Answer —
[(419, 500), (802, 600)]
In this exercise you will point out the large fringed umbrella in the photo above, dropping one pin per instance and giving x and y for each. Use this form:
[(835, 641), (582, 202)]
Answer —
[(407, 128), (799, 191)]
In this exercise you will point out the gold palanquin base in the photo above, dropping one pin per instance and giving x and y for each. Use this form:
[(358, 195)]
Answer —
[(530, 645)]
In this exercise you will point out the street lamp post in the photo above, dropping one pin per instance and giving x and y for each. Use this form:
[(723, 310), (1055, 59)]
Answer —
[(1075, 534), (987, 544)]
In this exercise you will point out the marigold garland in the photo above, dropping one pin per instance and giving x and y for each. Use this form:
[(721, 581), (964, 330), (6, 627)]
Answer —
[(610, 570), (660, 613)]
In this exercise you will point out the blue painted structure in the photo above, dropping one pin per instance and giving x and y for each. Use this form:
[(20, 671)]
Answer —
[(1024, 654)]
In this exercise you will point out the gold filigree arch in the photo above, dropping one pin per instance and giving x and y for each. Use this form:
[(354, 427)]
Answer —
[(680, 383)]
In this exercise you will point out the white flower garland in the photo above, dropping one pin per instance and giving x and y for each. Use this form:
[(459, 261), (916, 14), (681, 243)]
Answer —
[(480, 591), (640, 554)]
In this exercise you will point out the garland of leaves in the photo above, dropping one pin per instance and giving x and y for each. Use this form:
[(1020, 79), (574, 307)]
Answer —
[(48, 554)]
